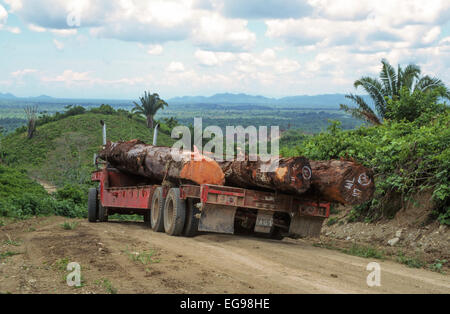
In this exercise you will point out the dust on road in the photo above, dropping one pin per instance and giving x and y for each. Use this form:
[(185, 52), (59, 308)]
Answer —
[(127, 257)]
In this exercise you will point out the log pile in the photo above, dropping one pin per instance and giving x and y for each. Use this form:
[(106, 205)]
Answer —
[(291, 175), (339, 181), (156, 163)]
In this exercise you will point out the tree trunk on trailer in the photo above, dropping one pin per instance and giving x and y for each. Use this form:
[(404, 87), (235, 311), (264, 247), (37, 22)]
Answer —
[(156, 163), (341, 181), (291, 176)]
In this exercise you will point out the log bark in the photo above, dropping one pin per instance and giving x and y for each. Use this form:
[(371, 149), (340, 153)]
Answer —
[(157, 163), (341, 181), (292, 175)]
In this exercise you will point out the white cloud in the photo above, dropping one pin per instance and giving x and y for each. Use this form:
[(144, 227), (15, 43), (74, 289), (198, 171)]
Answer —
[(214, 32), (367, 34), (35, 28), (211, 58), (22, 73), (175, 66), (3, 16), (364, 23), (70, 78), (155, 50), (325, 44), (152, 22), (64, 32)]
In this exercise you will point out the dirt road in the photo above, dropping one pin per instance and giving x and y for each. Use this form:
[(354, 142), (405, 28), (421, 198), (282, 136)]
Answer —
[(126, 257)]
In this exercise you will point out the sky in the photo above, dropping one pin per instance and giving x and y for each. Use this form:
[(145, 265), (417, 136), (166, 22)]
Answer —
[(276, 48)]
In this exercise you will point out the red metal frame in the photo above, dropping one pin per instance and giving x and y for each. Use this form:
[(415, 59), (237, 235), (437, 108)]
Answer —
[(114, 194)]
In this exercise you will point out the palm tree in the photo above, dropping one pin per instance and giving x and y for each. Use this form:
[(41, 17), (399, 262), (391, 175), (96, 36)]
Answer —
[(388, 86), (150, 104)]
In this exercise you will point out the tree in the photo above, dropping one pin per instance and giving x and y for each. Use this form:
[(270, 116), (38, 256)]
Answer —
[(389, 87), (30, 112), (150, 104)]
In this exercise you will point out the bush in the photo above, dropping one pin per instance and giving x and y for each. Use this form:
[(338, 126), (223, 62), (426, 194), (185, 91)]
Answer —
[(407, 157), (104, 109), (418, 105), (75, 193), (21, 197)]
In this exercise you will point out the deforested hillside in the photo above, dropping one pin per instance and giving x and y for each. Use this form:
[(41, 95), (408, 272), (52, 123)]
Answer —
[(61, 151)]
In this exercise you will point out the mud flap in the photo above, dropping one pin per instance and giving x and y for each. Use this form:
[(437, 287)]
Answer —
[(264, 222), (217, 218), (305, 226)]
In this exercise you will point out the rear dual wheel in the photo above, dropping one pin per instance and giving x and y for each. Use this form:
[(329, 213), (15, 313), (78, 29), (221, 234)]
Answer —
[(174, 213), (157, 210)]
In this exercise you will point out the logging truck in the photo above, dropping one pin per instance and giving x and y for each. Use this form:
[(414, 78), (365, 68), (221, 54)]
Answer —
[(187, 197), (188, 209)]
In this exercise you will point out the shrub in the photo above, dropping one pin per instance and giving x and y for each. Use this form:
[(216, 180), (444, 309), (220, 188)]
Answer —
[(76, 193), (407, 157)]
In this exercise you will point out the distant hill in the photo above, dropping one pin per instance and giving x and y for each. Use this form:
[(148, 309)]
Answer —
[(325, 101), (7, 96)]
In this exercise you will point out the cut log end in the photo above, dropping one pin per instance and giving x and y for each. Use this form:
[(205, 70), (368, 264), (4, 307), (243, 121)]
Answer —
[(203, 172), (357, 186), (340, 181)]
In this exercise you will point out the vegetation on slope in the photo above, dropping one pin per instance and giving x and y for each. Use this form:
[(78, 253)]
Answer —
[(22, 197), (62, 151), (61, 154), (407, 156)]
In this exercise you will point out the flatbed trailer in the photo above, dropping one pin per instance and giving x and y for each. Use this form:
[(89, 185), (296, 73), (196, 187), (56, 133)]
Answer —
[(186, 209)]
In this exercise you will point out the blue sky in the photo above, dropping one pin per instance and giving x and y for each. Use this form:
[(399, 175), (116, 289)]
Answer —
[(118, 49)]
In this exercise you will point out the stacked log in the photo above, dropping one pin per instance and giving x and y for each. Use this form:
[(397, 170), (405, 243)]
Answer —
[(158, 164), (289, 175), (339, 181)]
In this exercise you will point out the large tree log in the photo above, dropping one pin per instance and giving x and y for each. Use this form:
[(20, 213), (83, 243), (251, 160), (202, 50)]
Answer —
[(340, 181), (157, 163), (292, 175)]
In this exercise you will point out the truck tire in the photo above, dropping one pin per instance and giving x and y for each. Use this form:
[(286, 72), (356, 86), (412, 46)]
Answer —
[(191, 225), (102, 212), (92, 205), (174, 213), (157, 211)]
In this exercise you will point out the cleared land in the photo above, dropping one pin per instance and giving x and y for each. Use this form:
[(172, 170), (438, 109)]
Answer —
[(127, 257)]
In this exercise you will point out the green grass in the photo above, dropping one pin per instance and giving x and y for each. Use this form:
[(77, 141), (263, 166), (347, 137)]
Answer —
[(364, 251), (69, 225), (332, 221), (61, 264), (107, 285), (4, 255), (437, 265), (144, 257), (413, 262), (355, 250), (12, 242)]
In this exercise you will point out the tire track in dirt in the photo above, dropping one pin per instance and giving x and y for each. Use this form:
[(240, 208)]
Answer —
[(208, 263)]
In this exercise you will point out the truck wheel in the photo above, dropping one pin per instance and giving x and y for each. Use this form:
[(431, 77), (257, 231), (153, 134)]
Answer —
[(157, 211), (102, 213), (191, 226), (92, 205), (174, 213)]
